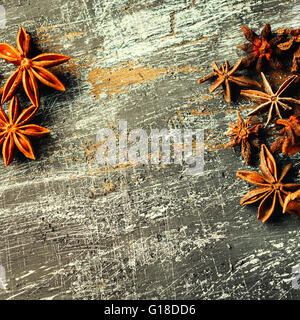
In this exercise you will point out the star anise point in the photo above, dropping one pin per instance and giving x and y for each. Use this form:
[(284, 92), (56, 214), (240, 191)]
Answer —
[(270, 189), (226, 75), (15, 128), (29, 69), (261, 48), (270, 99), (244, 133)]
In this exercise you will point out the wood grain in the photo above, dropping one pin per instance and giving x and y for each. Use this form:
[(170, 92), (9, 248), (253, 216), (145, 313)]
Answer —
[(73, 229)]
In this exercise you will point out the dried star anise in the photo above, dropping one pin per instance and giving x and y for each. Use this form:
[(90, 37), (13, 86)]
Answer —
[(261, 48), (15, 128), (270, 188), (244, 135), (225, 76), (289, 136), (294, 41), (29, 69), (270, 99)]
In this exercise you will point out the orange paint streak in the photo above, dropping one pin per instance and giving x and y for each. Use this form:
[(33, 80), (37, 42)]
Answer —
[(195, 112), (117, 80)]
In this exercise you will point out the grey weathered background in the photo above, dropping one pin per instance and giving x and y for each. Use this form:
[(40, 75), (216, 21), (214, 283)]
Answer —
[(73, 229)]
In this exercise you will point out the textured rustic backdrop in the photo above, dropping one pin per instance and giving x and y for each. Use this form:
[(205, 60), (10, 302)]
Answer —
[(73, 229)]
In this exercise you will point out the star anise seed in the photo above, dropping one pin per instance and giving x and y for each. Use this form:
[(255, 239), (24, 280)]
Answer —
[(270, 189), (29, 69), (15, 129), (270, 99), (225, 76)]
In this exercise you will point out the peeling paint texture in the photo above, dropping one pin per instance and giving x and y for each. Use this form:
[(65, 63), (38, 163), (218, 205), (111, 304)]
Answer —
[(73, 229)]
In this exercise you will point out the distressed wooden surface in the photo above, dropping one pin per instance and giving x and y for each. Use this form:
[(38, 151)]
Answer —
[(73, 229)]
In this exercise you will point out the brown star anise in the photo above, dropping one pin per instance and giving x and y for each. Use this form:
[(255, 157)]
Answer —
[(270, 99), (294, 41), (289, 136), (270, 188), (15, 128), (261, 48), (225, 76), (29, 69), (244, 135)]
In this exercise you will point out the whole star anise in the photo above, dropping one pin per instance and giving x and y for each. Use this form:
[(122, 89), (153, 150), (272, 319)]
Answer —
[(29, 69), (225, 76), (270, 99), (270, 188), (261, 49), (15, 129), (294, 41), (288, 141), (244, 135)]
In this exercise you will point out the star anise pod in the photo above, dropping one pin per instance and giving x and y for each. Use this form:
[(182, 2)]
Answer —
[(15, 129), (270, 99), (270, 188), (261, 49), (225, 76), (245, 135), (294, 41), (29, 69), (289, 136)]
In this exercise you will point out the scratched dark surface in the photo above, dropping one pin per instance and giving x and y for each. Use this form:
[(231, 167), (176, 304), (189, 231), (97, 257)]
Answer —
[(73, 229)]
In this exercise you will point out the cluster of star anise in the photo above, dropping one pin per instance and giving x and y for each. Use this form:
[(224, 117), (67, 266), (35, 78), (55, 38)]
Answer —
[(269, 50), (17, 127)]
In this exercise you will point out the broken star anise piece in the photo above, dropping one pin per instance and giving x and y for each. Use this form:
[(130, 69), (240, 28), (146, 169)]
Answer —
[(292, 203), (261, 49), (294, 41), (15, 129), (288, 141), (269, 99), (225, 76), (29, 69), (245, 135), (270, 188)]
